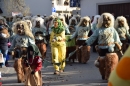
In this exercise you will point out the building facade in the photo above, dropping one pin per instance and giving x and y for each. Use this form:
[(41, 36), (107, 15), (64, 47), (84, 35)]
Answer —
[(94, 7), (42, 7)]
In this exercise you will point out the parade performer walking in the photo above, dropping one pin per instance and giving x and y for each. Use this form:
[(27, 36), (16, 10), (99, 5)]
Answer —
[(72, 25), (81, 33), (22, 39), (58, 46), (94, 27), (39, 31), (122, 28), (108, 38), (4, 37), (33, 62)]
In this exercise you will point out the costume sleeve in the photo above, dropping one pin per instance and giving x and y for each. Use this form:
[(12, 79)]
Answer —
[(74, 34), (127, 34), (120, 76), (92, 38), (31, 41), (93, 27), (67, 30), (39, 64), (51, 36), (13, 43), (116, 37)]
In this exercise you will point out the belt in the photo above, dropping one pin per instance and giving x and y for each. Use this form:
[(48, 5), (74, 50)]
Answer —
[(82, 37), (106, 44), (62, 40)]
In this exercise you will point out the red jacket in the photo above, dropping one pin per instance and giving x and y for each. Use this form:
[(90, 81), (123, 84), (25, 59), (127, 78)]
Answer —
[(36, 64)]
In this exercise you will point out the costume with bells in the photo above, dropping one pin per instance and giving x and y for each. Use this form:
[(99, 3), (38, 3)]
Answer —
[(33, 64), (107, 39), (39, 31), (58, 46), (81, 33), (122, 28), (22, 39)]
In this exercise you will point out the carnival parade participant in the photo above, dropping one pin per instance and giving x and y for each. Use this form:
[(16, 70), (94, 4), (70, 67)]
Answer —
[(108, 39), (94, 27), (81, 33), (72, 25), (4, 37), (122, 28), (39, 31), (22, 39), (33, 64), (58, 46), (71, 45)]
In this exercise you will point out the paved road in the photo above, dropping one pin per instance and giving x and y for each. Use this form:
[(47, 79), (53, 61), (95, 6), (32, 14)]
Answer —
[(74, 75)]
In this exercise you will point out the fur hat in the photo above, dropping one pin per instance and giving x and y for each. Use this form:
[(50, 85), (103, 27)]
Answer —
[(100, 20), (95, 19), (86, 17), (62, 17), (41, 22), (26, 28), (73, 18), (123, 19)]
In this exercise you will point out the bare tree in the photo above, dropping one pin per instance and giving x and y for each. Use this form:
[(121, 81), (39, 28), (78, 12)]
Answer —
[(16, 6)]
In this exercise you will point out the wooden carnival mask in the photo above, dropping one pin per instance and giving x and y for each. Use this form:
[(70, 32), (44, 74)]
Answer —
[(106, 21), (38, 24), (84, 23), (121, 23), (73, 22), (20, 29)]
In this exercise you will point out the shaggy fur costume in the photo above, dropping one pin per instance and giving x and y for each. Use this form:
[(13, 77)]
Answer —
[(83, 53), (101, 66), (111, 62), (18, 66)]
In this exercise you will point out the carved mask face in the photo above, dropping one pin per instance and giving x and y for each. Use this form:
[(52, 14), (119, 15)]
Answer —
[(73, 22), (106, 21), (121, 23), (20, 29), (38, 24), (85, 23)]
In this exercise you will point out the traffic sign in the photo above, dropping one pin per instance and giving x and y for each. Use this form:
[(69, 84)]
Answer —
[(74, 3), (53, 9)]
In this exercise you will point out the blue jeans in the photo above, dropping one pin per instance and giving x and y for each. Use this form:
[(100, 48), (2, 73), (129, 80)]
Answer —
[(4, 52)]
